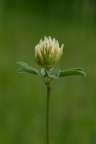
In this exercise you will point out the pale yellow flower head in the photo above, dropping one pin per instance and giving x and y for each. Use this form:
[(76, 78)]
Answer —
[(48, 53)]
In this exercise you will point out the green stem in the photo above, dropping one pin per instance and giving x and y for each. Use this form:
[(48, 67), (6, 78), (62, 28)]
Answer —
[(47, 115)]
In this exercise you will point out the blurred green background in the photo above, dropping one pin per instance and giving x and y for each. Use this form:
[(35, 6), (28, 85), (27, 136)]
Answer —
[(23, 96)]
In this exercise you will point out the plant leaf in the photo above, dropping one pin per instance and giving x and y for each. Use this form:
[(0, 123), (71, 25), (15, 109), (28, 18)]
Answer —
[(72, 71), (54, 73), (27, 69)]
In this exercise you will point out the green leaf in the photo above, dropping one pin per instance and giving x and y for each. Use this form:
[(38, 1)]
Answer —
[(27, 69), (54, 73), (53, 76), (72, 71)]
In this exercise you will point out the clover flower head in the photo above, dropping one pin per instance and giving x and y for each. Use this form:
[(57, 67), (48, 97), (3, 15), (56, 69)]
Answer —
[(48, 53)]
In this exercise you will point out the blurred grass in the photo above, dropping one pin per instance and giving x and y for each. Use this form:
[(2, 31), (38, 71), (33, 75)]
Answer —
[(23, 97)]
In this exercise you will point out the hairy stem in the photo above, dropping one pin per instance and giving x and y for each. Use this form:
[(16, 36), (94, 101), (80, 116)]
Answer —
[(47, 115)]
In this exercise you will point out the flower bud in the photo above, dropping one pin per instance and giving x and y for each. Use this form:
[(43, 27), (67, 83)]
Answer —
[(48, 53)]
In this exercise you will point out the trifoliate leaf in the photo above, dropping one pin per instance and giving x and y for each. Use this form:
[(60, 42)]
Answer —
[(27, 69), (72, 71)]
